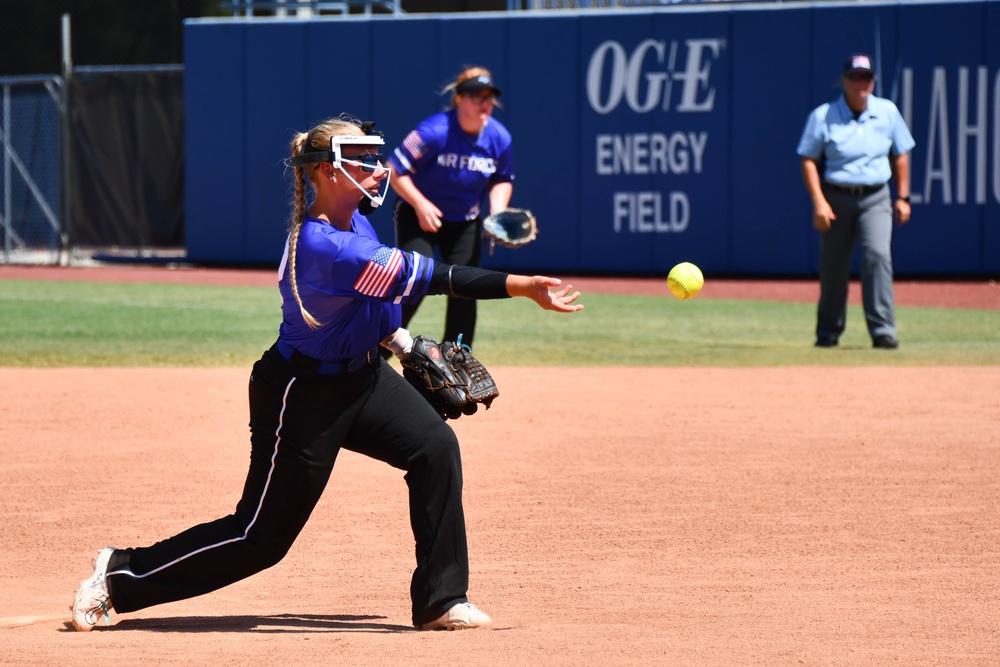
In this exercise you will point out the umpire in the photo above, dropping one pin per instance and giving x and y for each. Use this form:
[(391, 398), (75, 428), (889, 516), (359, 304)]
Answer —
[(850, 149)]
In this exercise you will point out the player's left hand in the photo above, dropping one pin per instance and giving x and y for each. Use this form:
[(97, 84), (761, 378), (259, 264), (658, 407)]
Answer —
[(538, 289)]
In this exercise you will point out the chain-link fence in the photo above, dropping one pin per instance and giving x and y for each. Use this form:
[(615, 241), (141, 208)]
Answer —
[(47, 157), (32, 227)]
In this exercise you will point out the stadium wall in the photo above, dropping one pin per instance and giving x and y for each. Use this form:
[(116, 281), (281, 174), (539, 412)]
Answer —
[(642, 138)]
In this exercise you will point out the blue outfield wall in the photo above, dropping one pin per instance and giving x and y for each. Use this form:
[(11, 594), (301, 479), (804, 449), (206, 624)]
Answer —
[(642, 138)]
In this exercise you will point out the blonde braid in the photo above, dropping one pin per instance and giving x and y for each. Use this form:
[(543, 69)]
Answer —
[(298, 217), (301, 143)]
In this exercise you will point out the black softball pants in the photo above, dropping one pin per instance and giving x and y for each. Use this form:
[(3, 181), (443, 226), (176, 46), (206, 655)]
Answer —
[(457, 242), (298, 423)]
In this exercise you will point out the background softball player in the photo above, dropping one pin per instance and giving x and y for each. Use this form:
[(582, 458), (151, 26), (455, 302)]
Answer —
[(441, 171), (322, 386)]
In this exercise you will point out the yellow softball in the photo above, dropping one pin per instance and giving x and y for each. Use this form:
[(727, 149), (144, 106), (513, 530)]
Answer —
[(685, 280)]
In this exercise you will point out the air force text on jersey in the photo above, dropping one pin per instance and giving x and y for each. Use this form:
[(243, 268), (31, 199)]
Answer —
[(482, 165)]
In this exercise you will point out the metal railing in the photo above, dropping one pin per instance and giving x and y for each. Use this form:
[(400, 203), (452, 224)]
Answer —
[(309, 8), (517, 5)]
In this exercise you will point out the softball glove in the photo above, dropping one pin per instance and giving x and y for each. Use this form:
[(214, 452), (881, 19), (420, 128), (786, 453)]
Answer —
[(513, 228), (449, 377)]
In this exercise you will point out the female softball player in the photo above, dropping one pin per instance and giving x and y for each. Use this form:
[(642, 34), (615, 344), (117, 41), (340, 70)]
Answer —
[(441, 171), (323, 386)]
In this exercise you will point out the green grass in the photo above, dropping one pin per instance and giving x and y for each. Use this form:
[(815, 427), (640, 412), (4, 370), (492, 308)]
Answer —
[(91, 324), (96, 324)]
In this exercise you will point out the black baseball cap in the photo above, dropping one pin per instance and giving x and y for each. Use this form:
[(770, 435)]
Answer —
[(859, 62), (475, 84)]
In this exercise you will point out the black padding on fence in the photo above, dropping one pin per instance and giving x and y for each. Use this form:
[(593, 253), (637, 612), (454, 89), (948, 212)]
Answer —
[(127, 174)]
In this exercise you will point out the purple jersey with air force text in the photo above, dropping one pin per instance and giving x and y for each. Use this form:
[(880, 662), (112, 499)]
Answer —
[(352, 284), (453, 169)]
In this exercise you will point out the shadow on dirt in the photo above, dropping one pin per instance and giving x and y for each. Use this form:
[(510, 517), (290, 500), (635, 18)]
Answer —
[(281, 623)]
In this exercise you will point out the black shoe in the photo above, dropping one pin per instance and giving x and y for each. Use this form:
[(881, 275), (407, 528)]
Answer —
[(826, 342), (885, 342)]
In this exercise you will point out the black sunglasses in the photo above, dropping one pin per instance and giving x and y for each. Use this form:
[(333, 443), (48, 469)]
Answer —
[(368, 161), (860, 76)]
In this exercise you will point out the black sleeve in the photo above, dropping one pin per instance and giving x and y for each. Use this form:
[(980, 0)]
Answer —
[(468, 282)]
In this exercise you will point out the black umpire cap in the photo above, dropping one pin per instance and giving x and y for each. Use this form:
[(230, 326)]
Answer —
[(859, 62)]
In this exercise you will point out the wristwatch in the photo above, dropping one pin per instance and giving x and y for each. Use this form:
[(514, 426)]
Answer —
[(906, 199)]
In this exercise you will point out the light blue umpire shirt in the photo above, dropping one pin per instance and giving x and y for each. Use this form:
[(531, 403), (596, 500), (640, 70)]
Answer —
[(855, 152)]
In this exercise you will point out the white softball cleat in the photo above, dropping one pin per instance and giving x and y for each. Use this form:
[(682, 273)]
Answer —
[(92, 599), (462, 616)]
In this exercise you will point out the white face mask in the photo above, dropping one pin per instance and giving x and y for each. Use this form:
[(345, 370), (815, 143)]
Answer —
[(337, 141)]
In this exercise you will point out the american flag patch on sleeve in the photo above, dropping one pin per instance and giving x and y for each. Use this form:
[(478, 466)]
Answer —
[(380, 272), (414, 144)]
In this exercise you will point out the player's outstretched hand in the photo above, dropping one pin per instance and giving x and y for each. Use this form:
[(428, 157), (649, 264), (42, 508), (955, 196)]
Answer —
[(537, 288)]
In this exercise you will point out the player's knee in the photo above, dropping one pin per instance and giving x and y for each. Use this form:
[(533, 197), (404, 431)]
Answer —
[(439, 450), (267, 542), (270, 553)]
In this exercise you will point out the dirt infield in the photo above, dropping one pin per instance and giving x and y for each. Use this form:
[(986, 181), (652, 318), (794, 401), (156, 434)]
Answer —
[(792, 516)]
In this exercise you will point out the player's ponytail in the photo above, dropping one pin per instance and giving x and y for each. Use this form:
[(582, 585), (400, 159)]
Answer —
[(295, 226), (302, 142)]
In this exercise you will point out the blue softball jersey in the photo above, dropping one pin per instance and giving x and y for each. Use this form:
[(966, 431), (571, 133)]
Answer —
[(856, 152), (454, 169), (352, 284)]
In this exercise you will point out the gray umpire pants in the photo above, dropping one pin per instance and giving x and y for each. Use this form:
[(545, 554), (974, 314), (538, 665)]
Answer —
[(867, 218)]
